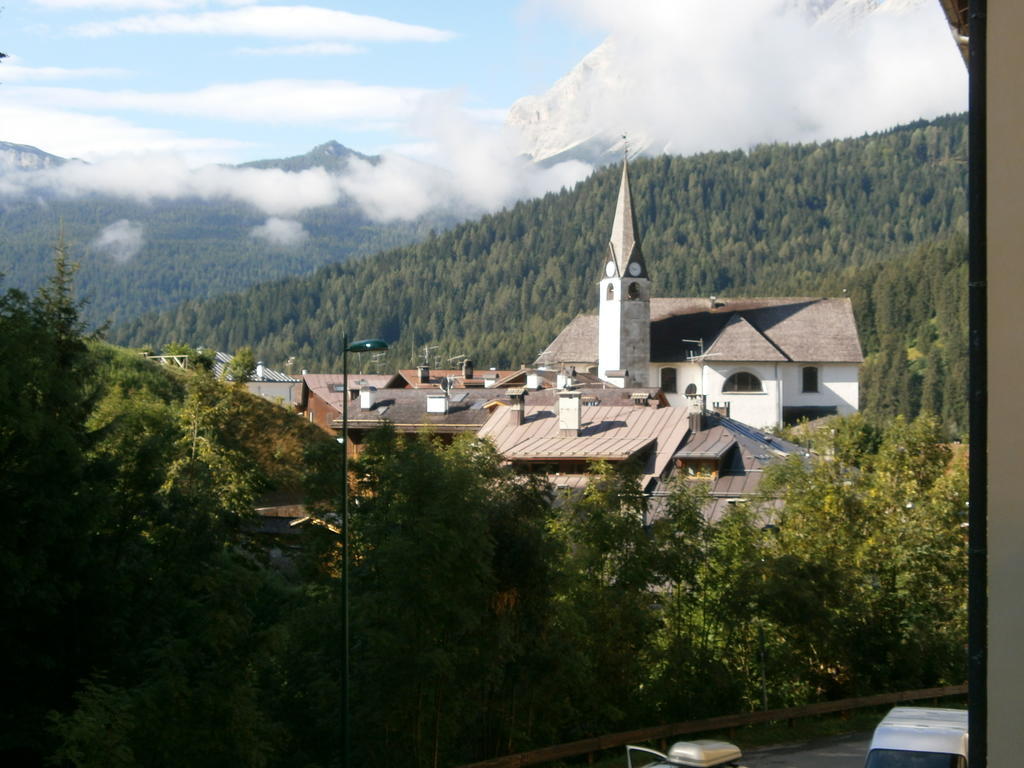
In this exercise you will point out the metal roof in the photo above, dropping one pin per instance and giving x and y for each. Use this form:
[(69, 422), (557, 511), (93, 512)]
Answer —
[(607, 433), (223, 359)]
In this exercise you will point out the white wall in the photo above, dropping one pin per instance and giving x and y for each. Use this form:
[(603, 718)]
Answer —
[(783, 383), (837, 386), (288, 392), (758, 409)]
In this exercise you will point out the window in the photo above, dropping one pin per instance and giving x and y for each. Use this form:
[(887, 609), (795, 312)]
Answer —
[(691, 390), (611, 292), (810, 379), (633, 291), (742, 382), (668, 379)]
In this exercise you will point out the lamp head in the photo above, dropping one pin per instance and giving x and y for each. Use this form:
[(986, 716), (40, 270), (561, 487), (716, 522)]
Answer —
[(367, 345)]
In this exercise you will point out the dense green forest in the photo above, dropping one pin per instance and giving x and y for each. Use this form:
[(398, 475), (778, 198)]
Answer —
[(150, 627), (881, 218), (189, 248)]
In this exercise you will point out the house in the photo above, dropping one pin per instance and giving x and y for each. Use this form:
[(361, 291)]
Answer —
[(563, 437), (444, 414), (265, 382), (730, 457), (321, 394), (562, 433), (764, 362)]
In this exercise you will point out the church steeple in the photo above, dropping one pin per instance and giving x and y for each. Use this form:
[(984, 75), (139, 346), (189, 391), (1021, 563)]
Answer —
[(624, 247), (624, 309)]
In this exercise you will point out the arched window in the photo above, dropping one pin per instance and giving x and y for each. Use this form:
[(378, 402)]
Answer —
[(668, 380), (611, 292), (691, 390), (742, 382), (810, 379), (633, 291)]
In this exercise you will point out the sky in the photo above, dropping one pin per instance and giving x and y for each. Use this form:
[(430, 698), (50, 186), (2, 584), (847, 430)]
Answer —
[(153, 92)]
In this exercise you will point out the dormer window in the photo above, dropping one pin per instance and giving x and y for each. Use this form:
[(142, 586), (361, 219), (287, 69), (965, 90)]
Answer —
[(742, 381)]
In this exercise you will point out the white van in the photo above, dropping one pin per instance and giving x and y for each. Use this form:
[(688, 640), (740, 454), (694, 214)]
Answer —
[(918, 737)]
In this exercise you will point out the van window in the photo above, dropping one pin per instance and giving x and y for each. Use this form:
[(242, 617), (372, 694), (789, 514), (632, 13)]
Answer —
[(901, 758)]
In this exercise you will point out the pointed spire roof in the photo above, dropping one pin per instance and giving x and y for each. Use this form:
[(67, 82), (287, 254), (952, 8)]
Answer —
[(624, 246)]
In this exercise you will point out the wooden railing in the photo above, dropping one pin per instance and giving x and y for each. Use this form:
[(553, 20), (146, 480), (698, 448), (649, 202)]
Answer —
[(723, 722)]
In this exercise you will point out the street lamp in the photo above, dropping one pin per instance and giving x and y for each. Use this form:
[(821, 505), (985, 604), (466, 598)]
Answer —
[(365, 345)]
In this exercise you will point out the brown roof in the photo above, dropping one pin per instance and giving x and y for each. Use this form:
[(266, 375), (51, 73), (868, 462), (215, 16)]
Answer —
[(607, 433), (329, 386), (406, 409), (748, 330), (411, 378)]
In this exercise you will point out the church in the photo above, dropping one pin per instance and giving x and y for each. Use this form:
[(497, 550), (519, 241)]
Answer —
[(763, 362)]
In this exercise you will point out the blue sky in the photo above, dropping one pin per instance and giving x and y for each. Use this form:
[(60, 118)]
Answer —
[(236, 80)]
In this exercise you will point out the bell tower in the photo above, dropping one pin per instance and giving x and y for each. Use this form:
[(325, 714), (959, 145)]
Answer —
[(624, 299)]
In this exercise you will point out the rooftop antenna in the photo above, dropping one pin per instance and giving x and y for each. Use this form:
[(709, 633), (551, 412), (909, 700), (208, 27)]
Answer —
[(426, 353), (376, 359), (625, 148), (700, 345)]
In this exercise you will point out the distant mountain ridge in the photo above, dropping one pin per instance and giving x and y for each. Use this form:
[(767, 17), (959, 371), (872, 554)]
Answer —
[(139, 256), (332, 156), (22, 157)]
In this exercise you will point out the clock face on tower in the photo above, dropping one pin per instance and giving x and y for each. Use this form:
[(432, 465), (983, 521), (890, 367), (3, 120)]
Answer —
[(634, 269), (609, 269)]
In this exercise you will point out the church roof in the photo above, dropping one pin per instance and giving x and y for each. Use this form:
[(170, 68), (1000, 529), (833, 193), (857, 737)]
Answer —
[(811, 330), (623, 243)]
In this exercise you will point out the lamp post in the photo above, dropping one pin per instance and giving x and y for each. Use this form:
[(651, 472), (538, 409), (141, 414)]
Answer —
[(365, 345)]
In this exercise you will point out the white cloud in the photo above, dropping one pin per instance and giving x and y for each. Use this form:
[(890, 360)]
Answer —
[(284, 21), (135, 5), (15, 72), (98, 136), (306, 49), (281, 232), (464, 167), (121, 240), (693, 75), (273, 101)]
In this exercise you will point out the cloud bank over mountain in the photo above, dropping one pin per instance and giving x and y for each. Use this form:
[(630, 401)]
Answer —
[(686, 77), (678, 76)]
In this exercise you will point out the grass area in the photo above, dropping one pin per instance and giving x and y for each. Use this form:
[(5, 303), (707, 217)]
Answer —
[(781, 732)]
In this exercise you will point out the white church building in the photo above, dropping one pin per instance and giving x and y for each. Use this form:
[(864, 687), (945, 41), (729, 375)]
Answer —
[(764, 362)]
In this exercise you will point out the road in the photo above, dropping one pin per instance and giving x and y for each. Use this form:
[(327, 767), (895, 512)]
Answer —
[(838, 752)]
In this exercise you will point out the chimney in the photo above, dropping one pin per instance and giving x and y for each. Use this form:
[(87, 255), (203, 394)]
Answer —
[(305, 371), (260, 371), (696, 413), (367, 397), (640, 398), (424, 373), (569, 417), (722, 409), (533, 380), (518, 408), (437, 403), (712, 301), (467, 369)]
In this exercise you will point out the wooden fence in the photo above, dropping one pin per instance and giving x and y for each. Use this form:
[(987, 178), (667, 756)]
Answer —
[(639, 736)]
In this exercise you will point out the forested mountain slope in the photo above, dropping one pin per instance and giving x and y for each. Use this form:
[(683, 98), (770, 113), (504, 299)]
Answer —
[(173, 250), (777, 220)]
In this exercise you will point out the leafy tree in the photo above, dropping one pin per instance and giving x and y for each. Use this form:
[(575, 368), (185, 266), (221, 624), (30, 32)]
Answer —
[(242, 365)]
